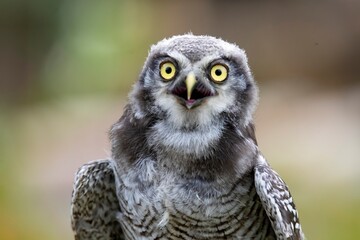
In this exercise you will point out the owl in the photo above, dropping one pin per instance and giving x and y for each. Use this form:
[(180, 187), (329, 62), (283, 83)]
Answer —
[(184, 162)]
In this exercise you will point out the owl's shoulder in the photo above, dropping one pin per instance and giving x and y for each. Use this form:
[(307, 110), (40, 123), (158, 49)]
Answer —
[(277, 201)]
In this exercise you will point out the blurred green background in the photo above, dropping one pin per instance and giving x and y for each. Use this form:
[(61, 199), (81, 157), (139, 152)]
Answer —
[(66, 68)]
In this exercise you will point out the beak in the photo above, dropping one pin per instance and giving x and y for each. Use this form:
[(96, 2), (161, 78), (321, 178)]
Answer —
[(190, 83), (191, 92)]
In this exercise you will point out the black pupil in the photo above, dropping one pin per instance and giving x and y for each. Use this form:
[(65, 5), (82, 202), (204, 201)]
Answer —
[(218, 72), (168, 70)]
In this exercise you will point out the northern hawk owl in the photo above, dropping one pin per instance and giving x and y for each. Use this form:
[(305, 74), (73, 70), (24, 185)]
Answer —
[(184, 158)]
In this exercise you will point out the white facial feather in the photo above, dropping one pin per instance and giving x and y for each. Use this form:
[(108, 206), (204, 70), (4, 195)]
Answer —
[(208, 110), (195, 142)]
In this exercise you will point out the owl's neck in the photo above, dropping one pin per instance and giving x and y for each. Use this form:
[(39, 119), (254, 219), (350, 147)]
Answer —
[(219, 148), (197, 141)]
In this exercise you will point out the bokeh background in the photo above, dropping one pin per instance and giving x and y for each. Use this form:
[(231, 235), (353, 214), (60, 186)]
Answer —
[(66, 67)]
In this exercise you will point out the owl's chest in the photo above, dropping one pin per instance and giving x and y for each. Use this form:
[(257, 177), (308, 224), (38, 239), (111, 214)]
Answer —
[(169, 210)]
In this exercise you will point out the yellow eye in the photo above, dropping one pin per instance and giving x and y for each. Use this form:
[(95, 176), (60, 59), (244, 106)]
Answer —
[(218, 73), (167, 70)]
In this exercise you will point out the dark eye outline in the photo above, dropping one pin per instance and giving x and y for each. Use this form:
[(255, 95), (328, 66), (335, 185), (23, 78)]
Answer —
[(173, 66), (214, 64)]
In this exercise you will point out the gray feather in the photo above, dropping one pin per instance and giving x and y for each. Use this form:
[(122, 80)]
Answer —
[(95, 208)]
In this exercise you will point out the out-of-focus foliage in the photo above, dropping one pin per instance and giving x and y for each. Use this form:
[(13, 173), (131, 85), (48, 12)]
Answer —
[(66, 68), (96, 48)]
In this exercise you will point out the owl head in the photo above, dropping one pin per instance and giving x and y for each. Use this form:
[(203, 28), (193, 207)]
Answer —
[(191, 109), (191, 80)]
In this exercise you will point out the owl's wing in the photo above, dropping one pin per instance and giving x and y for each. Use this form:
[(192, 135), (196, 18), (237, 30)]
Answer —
[(277, 202), (94, 205)]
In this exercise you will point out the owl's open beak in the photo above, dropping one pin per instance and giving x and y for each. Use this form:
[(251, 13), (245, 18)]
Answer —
[(191, 92)]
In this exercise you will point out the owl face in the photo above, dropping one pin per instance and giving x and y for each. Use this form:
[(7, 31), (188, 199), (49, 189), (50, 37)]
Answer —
[(192, 79)]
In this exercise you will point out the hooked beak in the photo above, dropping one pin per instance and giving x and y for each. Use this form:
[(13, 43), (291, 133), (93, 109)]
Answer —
[(190, 83)]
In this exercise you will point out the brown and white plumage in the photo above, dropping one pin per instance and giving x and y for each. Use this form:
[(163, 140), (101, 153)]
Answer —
[(185, 162)]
